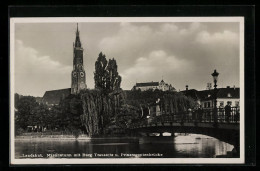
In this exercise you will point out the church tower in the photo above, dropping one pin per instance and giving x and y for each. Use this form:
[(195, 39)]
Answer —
[(78, 76)]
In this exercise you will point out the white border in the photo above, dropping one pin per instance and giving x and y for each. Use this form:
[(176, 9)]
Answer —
[(124, 160)]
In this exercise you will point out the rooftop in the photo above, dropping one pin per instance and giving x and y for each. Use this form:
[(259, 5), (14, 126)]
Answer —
[(229, 93), (147, 84), (54, 96), (206, 94)]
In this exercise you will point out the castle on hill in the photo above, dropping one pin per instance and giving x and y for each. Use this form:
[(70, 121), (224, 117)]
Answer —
[(163, 86)]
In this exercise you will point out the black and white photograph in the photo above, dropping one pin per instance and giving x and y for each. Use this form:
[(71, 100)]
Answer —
[(127, 90)]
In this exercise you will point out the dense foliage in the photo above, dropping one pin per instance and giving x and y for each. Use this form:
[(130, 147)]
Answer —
[(106, 76), (63, 117), (171, 102), (100, 72), (99, 110), (94, 111), (25, 113)]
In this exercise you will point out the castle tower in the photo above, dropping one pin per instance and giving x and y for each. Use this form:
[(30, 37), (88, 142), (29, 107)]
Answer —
[(78, 76)]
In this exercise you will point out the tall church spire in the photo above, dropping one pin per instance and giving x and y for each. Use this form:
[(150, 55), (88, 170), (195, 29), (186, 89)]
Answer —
[(77, 41), (78, 77)]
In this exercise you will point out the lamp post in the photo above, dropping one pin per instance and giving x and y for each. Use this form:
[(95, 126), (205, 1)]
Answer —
[(215, 79)]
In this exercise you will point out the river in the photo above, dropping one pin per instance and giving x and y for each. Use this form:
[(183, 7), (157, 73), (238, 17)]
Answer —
[(180, 146)]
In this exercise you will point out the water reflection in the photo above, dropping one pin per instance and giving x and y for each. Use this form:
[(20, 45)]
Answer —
[(180, 146)]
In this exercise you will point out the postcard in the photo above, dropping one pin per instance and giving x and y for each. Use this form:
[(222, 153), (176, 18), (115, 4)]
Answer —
[(127, 90)]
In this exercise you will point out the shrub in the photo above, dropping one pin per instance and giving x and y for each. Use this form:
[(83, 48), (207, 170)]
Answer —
[(19, 131)]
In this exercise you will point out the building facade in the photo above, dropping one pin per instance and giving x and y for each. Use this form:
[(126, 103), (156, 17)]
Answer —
[(224, 95), (153, 86), (205, 98), (228, 94)]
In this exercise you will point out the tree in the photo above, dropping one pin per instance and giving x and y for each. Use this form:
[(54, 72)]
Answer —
[(16, 99), (106, 75), (172, 102), (41, 116), (56, 118), (24, 114), (70, 111), (99, 109), (113, 79), (126, 115), (100, 73)]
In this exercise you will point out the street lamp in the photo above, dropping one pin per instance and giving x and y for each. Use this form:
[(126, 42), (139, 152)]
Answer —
[(215, 79)]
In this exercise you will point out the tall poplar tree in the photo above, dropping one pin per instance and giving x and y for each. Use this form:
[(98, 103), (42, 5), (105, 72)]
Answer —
[(113, 78), (106, 75), (100, 73)]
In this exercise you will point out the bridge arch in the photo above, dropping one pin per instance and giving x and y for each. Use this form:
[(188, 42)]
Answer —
[(213, 123), (228, 133)]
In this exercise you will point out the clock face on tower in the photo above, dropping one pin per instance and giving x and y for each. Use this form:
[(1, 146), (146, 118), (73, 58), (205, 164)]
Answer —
[(81, 74), (79, 66), (82, 86)]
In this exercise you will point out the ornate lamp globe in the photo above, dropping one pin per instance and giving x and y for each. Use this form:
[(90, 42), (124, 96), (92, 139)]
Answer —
[(215, 76)]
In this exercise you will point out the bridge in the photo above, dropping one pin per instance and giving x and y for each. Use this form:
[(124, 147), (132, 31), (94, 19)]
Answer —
[(210, 122)]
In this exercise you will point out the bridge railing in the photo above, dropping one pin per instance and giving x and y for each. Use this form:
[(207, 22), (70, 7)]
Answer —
[(222, 117), (206, 116)]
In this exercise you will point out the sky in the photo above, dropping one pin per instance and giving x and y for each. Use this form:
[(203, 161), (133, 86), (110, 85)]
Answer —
[(180, 53)]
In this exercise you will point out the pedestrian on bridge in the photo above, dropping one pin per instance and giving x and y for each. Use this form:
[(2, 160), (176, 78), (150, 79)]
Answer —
[(200, 113), (237, 114), (194, 114), (228, 111), (189, 116)]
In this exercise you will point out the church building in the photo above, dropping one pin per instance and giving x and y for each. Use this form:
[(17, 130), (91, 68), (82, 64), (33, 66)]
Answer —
[(78, 77)]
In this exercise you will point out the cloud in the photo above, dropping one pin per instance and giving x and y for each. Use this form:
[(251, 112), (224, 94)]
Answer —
[(153, 67), (35, 74), (139, 39), (146, 52), (128, 39), (183, 53), (224, 37)]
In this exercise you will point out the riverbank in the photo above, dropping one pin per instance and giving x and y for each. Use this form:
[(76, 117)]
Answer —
[(68, 137), (51, 137)]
